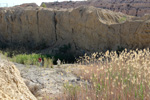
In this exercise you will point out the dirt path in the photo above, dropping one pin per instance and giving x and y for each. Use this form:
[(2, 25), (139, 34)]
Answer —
[(47, 81)]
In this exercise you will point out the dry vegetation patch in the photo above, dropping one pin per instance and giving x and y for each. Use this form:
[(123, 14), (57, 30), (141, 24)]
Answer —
[(111, 76)]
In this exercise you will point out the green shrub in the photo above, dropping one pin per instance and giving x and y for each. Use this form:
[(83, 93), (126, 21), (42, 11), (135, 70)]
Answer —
[(26, 59), (32, 59), (122, 19), (44, 5), (48, 63)]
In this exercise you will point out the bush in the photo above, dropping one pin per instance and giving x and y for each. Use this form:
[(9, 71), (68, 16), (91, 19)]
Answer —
[(123, 19), (32, 59), (48, 63), (43, 5)]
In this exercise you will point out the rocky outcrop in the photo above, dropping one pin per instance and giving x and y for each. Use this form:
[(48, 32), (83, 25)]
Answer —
[(130, 7), (12, 86), (86, 29), (27, 5)]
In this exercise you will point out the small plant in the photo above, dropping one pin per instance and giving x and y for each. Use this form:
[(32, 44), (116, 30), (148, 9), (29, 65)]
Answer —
[(71, 90), (122, 19), (48, 63), (43, 5)]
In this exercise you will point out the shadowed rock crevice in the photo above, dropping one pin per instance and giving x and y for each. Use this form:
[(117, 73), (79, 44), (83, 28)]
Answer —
[(37, 15), (55, 25)]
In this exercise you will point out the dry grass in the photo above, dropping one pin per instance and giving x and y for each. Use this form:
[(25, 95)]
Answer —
[(112, 77)]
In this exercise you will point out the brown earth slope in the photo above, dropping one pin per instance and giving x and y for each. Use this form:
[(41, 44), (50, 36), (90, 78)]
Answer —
[(86, 29), (12, 86), (130, 7)]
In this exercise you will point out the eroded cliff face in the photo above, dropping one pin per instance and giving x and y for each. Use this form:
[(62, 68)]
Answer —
[(87, 29), (27, 27)]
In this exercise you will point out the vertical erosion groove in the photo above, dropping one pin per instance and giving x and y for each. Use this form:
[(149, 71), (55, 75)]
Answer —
[(120, 40), (55, 25), (37, 15), (137, 12), (8, 26)]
